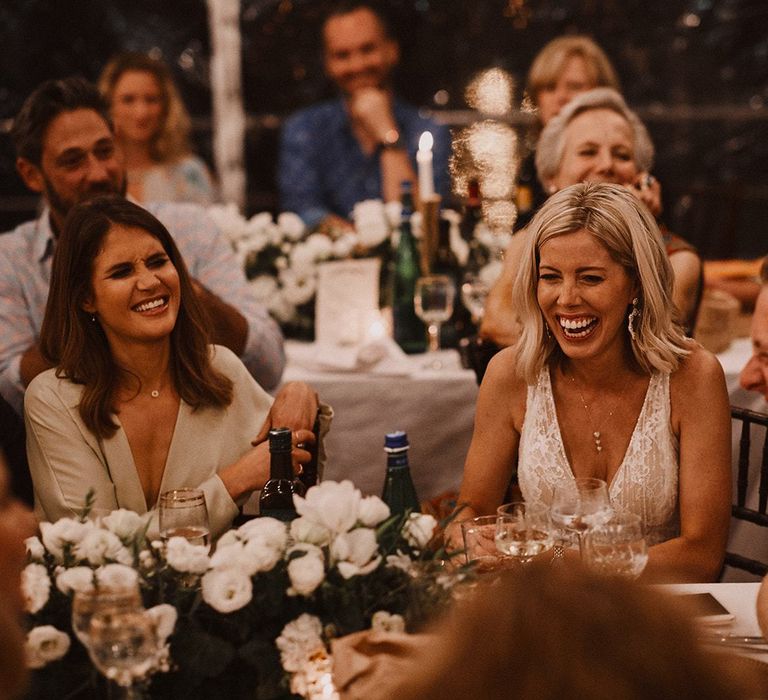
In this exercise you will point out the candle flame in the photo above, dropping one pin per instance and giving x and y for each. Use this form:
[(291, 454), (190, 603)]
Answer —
[(426, 141)]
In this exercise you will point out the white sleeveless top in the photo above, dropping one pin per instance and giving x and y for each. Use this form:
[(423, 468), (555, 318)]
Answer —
[(646, 483)]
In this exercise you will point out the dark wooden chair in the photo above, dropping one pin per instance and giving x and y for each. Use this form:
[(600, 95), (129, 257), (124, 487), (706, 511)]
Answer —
[(476, 353), (745, 477)]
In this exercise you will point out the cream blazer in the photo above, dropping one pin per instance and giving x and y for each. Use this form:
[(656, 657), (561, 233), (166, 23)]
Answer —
[(66, 459)]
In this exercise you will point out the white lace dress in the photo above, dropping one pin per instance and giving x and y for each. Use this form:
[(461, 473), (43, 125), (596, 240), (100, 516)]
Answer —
[(646, 483)]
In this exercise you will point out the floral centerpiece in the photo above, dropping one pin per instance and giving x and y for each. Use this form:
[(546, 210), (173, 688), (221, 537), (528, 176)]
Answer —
[(255, 618)]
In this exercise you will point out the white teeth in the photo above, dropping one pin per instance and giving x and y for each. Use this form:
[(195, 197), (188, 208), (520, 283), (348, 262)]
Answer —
[(150, 305), (574, 324)]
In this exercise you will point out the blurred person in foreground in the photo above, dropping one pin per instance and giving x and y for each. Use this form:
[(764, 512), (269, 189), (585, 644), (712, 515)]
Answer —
[(603, 383), (363, 144), (139, 402), (66, 151), (152, 130), (754, 376), (16, 524), (546, 633), (595, 138)]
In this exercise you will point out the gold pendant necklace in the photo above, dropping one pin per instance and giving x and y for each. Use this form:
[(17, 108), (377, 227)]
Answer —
[(596, 434)]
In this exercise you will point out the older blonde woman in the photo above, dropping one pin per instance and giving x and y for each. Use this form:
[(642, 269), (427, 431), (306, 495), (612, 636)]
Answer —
[(603, 383), (595, 138)]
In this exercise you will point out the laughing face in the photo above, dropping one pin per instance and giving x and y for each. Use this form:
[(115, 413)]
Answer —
[(135, 291), (584, 295)]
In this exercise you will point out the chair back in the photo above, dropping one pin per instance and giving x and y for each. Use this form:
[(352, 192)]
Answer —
[(746, 475), (476, 353)]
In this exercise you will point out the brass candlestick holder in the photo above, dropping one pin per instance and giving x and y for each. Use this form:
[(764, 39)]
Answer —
[(430, 221)]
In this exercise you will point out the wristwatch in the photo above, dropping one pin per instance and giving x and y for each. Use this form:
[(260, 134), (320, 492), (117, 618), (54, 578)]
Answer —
[(392, 139)]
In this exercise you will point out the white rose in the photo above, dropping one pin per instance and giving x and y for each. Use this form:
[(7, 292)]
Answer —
[(382, 621), (292, 225), (298, 288), (64, 531), (419, 529), (35, 549), (373, 511), (124, 523), (306, 574), (259, 224), (394, 212), (400, 561), (263, 287), (273, 532), (354, 552), (306, 530), (35, 587), (320, 245), (344, 245), (334, 505), (226, 590), (371, 222), (298, 640), (99, 546), (164, 618), (45, 644), (260, 555), (281, 308), (228, 538), (228, 219), (117, 576), (303, 258), (186, 557), (78, 579)]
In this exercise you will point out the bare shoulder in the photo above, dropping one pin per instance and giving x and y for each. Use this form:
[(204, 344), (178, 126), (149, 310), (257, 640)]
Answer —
[(699, 381), (699, 365), (502, 387), (502, 371)]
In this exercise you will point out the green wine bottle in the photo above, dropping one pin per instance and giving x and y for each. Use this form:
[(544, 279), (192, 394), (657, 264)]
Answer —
[(399, 492)]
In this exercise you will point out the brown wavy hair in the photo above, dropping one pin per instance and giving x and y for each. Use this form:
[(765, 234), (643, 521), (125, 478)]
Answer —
[(76, 344), (171, 142)]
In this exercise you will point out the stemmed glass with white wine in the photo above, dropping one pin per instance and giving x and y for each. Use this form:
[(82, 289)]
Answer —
[(183, 513), (433, 302), (579, 505), (474, 292), (523, 530)]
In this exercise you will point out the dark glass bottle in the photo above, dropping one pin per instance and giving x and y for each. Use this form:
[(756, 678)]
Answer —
[(399, 492), (446, 263), (473, 211), (308, 477), (276, 498), (409, 331)]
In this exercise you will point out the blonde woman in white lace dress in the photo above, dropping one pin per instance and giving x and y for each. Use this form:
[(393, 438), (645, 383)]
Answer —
[(603, 383)]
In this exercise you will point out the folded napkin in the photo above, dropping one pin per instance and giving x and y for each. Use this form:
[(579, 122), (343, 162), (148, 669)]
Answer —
[(382, 356)]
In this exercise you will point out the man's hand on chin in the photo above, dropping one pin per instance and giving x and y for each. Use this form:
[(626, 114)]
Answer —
[(371, 108)]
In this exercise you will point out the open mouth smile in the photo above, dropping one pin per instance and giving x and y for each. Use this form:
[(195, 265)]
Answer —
[(578, 327), (152, 306)]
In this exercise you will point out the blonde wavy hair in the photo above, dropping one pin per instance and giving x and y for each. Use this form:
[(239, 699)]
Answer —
[(171, 142), (629, 233)]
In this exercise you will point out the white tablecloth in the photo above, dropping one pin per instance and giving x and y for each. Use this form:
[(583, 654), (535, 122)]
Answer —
[(435, 407)]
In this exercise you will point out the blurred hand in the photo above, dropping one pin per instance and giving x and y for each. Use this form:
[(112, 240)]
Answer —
[(371, 108), (648, 190), (294, 407)]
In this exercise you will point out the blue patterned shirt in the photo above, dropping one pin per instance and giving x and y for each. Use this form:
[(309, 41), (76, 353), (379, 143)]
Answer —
[(323, 170), (26, 254)]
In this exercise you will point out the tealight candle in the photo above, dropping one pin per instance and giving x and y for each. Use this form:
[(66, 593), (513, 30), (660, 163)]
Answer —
[(424, 163)]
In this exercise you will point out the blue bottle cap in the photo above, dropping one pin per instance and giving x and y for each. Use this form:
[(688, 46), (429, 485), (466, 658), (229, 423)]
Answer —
[(396, 440)]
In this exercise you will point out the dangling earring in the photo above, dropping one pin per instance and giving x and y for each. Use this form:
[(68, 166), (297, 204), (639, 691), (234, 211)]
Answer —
[(547, 331), (631, 318)]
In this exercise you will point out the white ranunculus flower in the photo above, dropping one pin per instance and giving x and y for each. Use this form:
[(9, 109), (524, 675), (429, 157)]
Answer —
[(260, 555), (272, 531), (371, 222), (164, 617), (78, 579), (393, 210), (100, 546), (307, 530), (306, 574), (334, 505), (35, 549), (64, 531), (298, 288), (400, 561), (45, 644), (226, 590), (186, 557), (373, 511), (117, 576), (263, 287), (419, 529), (354, 552), (228, 538), (382, 621), (259, 224), (303, 259), (320, 245), (299, 639), (292, 225), (124, 523), (344, 245), (35, 587), (281, 308)]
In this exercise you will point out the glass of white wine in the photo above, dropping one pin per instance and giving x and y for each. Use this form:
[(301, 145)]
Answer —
[(474, 292), (523, 530), (617, 547), (183, 513), (86, 603), (579, 505), (433, 302)]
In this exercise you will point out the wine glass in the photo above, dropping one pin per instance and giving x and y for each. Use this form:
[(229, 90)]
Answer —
[(433, 302), (523, 530), (86, 603), (617, 547), (579, 505), (183, 513), (474, 292), (122, 645), (480, 544)]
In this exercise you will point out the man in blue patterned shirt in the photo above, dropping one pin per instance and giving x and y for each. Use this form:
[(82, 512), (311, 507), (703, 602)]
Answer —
[(66, 152), (363, 144)]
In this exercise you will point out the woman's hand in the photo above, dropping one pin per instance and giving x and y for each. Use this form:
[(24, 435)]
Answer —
[(648, 190), (295, 407)]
